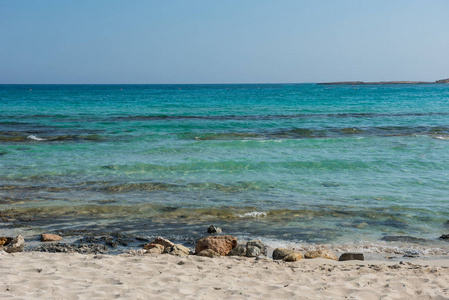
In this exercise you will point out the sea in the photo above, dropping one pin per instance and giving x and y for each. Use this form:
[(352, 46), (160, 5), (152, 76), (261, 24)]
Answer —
[(347, 167)]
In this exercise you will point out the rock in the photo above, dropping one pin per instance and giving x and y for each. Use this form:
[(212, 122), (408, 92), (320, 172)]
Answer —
[(255, 248), (154, 248), (240, 250), (214, 230), (444, 237), (178, 250), (164, 242), (208, 253), (4, 241), (293, 257), (280, 253), (48, 237), (16, 245), (351, 256), (443, 81), (222, 244), (320, 254)]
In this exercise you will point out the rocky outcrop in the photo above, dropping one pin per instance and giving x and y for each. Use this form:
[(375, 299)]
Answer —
[(48, 237), (320, 254), (255, 248), (442, 81), (281, 253), (444, 237), (221, 244), (16, 245), (351, 256)]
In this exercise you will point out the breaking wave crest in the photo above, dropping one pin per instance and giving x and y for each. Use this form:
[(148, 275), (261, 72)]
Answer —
[(33, 137)]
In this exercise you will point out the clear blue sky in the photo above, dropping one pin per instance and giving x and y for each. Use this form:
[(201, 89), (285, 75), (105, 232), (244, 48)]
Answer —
[(229, 41)]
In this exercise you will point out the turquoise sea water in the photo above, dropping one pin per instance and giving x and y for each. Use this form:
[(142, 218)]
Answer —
[(299, 164)]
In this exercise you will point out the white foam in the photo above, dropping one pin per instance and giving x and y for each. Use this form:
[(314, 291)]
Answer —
[(33, 137), (253, 214)]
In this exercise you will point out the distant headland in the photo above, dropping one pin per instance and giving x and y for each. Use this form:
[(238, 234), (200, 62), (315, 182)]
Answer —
[(384, 82)]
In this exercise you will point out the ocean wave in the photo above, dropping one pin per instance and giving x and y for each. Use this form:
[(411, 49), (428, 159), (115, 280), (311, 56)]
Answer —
[(253, 215), (33, 137)]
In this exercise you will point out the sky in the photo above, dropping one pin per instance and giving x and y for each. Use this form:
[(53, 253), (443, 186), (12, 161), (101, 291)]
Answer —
[(231, 41)]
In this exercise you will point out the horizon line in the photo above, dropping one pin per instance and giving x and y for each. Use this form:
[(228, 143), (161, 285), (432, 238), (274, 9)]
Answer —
[(158, 83)]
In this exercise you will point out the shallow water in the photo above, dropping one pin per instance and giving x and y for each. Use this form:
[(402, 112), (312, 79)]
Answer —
[(291, 164)]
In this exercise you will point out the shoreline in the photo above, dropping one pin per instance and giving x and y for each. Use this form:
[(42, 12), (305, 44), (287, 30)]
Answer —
[(116, 243)]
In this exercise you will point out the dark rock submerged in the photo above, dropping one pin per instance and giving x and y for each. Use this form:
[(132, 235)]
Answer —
[(71, 248)]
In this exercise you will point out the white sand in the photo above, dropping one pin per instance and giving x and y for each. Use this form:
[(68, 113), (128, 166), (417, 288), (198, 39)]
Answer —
[(73, 276)]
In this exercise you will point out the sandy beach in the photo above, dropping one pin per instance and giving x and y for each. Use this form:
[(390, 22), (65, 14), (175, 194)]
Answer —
[(35, 275)]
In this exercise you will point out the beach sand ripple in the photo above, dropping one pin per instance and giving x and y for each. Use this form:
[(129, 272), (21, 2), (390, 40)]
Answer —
[(35, 275)]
